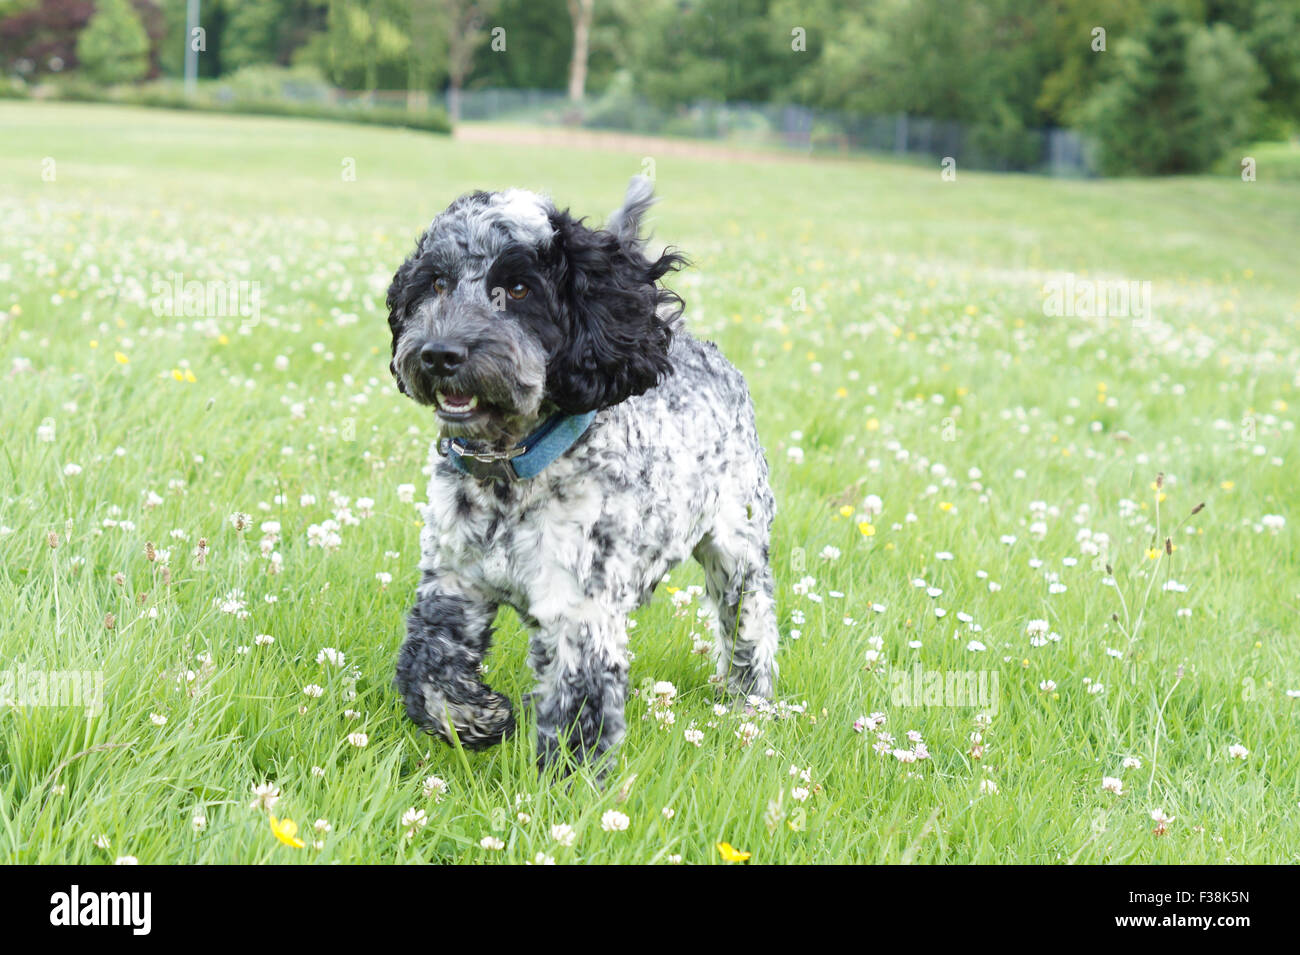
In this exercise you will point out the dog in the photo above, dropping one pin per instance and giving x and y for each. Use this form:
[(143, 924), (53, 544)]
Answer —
[(588, 444)]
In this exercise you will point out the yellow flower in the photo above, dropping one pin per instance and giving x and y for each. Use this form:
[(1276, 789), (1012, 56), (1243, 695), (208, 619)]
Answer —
[(1153, 553), (286, 830), (1228, 485), (846, 511), (189, 376), (731, 854), (873, 424), (867, 528), (178, 374), (945, 505), (120, 358)]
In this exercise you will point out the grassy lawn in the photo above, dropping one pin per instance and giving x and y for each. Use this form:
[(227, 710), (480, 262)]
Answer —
[(954, 469)]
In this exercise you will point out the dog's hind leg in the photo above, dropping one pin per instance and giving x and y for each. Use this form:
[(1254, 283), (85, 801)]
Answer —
[(448, 632), (738, 579)]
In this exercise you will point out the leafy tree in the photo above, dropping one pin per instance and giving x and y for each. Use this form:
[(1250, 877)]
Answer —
[(1178, 97), (114, 47)]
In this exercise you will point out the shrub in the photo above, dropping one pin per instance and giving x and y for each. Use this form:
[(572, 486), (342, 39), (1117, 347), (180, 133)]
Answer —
[(1178, 98), (114, 47)]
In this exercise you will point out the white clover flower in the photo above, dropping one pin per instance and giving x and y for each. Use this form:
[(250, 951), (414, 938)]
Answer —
[(1111, 784), (492, 843), (1237, 751), (614, 821), (331, 656), (564, 834), (265, 796)]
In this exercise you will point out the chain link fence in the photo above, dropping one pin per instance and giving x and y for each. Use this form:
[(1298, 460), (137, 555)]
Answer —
[(1054, 152)]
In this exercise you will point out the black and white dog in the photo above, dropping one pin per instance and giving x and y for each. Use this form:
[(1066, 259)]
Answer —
[(588, 444)]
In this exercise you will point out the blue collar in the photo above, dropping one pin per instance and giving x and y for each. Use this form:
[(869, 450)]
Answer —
[(525, 460)]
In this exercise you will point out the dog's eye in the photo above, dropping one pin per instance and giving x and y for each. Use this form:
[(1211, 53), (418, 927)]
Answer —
[(441, 284), (518, 291)]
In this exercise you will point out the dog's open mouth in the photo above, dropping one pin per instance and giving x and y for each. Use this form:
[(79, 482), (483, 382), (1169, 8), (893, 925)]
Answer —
[(456, 407)]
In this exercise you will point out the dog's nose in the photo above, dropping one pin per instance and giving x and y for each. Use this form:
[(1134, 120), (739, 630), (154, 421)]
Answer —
[(442, 358)]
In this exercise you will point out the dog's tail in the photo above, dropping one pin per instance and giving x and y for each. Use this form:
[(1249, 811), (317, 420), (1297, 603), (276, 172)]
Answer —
[(625, 222)]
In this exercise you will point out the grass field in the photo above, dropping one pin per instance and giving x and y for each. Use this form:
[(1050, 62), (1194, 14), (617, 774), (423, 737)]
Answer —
[(954, 469)]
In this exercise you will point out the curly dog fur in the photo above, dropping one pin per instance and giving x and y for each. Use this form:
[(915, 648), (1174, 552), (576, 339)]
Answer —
[(509, 314)]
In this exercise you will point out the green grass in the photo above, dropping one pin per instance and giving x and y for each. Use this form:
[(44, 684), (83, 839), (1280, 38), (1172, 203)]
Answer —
[(923, 354)]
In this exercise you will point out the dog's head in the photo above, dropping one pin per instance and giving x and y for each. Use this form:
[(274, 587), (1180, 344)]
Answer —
[(509, 309)]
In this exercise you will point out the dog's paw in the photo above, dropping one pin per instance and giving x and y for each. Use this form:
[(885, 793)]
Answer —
[(477, 723)]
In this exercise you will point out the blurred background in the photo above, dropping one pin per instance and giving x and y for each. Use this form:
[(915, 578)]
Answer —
[(1066, 87)]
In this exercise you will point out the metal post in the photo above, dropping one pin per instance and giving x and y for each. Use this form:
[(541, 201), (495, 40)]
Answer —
[(191, 54)]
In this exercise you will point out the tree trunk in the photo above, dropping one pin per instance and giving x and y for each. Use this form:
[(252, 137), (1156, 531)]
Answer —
[(580, 12), (453, 99)]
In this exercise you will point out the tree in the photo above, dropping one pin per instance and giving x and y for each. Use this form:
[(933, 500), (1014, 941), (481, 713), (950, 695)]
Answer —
[(580, 14), (1179, 96), (464, 20), (114, 47)]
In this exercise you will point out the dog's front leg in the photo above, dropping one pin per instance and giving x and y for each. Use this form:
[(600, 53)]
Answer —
[(448, 631), (582, 668)]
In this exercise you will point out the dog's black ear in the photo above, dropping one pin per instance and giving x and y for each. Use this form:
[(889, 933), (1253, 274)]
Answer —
[(618, 319), (409, 283)]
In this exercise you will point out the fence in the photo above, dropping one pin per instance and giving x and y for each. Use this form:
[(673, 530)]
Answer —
[(1054, 152)]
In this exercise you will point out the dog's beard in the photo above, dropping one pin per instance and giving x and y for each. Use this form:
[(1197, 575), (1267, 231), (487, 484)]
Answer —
[(489, 402)]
